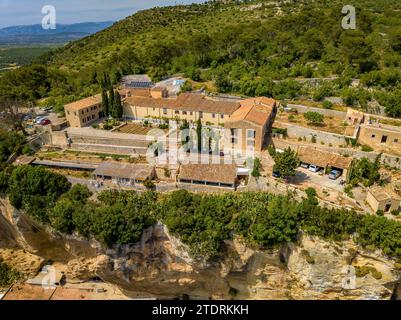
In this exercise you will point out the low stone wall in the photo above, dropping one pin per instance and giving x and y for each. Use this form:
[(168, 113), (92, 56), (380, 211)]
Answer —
[(122, 150), (325, 112), (332, 139)]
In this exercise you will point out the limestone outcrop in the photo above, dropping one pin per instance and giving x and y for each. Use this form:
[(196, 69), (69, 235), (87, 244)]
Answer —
[(160, 265)]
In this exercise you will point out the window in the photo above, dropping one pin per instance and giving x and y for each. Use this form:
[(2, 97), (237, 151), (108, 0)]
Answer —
[(373, 136), (87, 110), (164, 111), (251, 134), (75, 113), (222, 116), (83, 120), (93, 116), (250, 143), (88, 118), (213, 115), (250, 138), (384, 139), (395, 140), (200, 114), (153, 109), (191, 113), (184, 113), (68, 112), (82, 112), (234, 136), (177, 112)]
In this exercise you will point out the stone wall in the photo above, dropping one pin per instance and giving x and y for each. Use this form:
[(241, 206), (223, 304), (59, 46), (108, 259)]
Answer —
[(325, 112), (59, 139), (294, 131)]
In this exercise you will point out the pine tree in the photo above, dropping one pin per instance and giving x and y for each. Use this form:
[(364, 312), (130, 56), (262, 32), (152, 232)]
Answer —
[(117, 106), (105, 103), (111, 101), (199, 134)]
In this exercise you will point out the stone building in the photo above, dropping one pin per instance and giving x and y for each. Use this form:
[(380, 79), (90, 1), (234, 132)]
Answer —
[(380, 199), (249, 126), (217, 175), (381, 137), (190, 107), (84, 112)]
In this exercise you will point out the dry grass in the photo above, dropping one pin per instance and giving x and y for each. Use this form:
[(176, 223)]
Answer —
[(331, 124), (134, 128)]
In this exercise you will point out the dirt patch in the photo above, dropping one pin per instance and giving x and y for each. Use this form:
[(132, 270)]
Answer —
[(134, 128), (331, 124)]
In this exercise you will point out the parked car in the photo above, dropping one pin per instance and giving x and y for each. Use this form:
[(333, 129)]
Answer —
[(314, 168), (48, 109), (39, 119), (304, 165), (276, 174), (27, 117), (335, 174), (45, 122)]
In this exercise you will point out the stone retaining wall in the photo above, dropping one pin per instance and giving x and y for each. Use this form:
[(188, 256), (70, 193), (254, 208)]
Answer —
[(327, 138), (325, 112)]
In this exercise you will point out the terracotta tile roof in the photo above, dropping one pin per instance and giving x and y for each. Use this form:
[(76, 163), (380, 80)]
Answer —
[(84, 103), (382, 194), (159, 88), (254, 110), (124, 171), (197, 102), (217, 173), (148, 102), (379, 194), (187, 102), (25, 291), (341, 162), (323, 158), (140, 92)]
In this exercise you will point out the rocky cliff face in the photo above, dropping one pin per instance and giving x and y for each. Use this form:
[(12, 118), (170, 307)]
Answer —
[(161, 266)]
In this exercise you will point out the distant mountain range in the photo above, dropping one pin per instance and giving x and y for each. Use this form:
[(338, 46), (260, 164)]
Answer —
[(35, 34)]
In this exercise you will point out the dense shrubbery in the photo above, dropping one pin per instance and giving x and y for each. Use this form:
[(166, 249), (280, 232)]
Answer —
[(201, 221), (34, 189), (10, 142), (7, 275), (265, 220), (117, 217)]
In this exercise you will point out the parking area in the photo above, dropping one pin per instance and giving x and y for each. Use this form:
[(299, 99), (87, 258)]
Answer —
[(304, 176)]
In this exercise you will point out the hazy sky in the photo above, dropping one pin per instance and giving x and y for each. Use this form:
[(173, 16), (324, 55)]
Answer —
[(25, 12)]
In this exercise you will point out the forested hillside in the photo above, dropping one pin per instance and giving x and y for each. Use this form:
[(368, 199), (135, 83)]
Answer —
[(250, 48)]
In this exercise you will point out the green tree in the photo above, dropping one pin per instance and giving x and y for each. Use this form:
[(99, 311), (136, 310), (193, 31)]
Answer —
[(36, 189), (117, 111), (199, 134), (105, 103), (111, 101), (286, 162), (256, 168), (314, 118)]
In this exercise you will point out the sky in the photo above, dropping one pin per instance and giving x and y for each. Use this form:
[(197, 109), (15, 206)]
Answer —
[(27, 12)]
